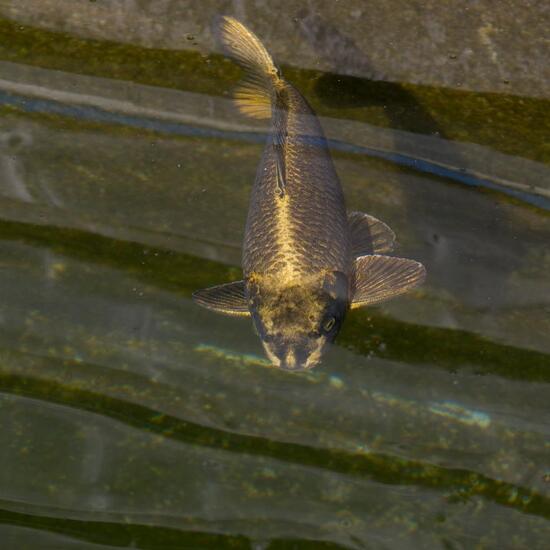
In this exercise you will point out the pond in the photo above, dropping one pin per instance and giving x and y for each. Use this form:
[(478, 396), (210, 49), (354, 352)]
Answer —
[(133, 418)]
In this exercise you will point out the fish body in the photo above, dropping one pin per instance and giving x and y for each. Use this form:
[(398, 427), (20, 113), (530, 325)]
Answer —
[(305, 259)]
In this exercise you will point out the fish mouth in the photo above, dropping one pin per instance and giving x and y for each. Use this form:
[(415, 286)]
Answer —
[(292, 363), (293, 357)]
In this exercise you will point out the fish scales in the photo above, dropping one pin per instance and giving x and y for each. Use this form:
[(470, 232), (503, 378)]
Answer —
[(306, 228)]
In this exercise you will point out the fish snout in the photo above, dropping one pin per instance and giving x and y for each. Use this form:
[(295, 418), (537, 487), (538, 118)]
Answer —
[(294, 356), (295, 359)]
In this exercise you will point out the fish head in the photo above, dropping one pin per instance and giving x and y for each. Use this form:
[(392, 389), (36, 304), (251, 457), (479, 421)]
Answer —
[(296, 322)]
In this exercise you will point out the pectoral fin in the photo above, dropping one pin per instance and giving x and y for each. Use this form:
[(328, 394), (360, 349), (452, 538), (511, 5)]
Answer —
[(369, 235), (379, 278), (228, 298)]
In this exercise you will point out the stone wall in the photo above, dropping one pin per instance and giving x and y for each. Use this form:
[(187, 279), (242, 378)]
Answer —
[(478, 45)]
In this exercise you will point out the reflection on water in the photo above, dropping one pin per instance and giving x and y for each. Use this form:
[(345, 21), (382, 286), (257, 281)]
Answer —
[(132, 418)]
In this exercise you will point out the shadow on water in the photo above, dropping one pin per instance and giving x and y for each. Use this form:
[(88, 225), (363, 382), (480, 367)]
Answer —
[(337, 90), (440, 218)]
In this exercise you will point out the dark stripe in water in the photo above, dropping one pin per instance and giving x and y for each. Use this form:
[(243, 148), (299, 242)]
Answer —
[(456, 484)]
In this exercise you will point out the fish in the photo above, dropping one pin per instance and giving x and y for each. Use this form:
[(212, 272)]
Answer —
[(306, 260)]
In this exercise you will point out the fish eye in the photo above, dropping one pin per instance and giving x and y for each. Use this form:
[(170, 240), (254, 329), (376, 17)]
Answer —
[(328, 325)]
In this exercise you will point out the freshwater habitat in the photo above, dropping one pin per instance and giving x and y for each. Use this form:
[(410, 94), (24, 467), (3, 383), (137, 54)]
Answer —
[(132, 418)]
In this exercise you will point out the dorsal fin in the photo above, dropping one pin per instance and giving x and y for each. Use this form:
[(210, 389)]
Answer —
[(369, 235), (379, 278), (280, 139), (280, 171), (228, 298)]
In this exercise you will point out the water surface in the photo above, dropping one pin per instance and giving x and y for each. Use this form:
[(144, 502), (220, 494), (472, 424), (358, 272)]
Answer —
[(132, 418)]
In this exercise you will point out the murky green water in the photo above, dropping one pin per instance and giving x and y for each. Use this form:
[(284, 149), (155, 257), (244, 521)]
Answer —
[(132, 418)]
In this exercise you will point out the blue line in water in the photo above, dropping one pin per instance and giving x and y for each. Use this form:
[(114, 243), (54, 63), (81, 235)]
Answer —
[(94, 114)]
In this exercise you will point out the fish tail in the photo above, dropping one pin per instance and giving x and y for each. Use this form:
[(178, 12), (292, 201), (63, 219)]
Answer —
[(255, 95)]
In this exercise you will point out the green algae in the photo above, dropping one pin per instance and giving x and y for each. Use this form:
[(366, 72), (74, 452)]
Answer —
[(245, 360), (124, 535), (147, 537), (511, 124), (368, 332), (455, 484)]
